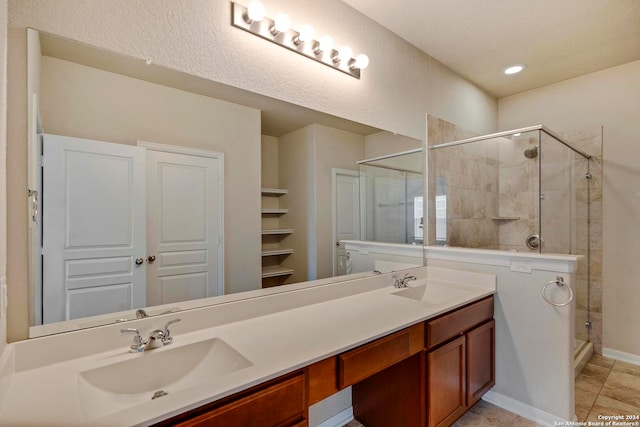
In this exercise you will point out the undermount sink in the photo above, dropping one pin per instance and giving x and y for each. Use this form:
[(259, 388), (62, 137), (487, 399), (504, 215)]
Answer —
[(154, 374), (431, 293)]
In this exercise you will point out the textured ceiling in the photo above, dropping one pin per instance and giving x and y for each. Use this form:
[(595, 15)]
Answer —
[(556, 39)]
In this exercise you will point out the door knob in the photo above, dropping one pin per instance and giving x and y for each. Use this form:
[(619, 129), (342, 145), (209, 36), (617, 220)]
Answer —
[(151, 258), (139, 261)]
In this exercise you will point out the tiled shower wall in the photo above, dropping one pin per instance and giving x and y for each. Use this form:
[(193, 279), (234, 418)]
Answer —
[(492, 203), (588, 240), (470, 175)]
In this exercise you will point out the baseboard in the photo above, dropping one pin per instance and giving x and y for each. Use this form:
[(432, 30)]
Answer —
[(621, 355), (534, 414), (339, 419)]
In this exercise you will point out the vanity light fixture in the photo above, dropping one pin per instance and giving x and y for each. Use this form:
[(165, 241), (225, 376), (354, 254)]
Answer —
[(305, 34), (254, 13), (514, 69), (324, 45), (280, 24), (253, 19)]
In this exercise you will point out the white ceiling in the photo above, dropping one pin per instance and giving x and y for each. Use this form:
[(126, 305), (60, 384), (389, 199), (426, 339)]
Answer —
[(556, 39)]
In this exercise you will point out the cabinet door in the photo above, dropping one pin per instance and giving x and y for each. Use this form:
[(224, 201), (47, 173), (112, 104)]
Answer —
[(446, 385), (480, 361)]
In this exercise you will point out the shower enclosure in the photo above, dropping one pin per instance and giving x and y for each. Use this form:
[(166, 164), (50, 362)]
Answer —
[(391, 198), (524, 190)]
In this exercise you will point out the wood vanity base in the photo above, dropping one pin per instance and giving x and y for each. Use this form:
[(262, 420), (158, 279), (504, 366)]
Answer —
[(427, 374)]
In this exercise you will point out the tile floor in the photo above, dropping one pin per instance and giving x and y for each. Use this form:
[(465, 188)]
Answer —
[(607, 387), (604, 387)]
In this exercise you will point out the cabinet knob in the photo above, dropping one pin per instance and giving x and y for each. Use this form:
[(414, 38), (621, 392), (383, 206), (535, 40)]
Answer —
[(139, 261), (151, 258)]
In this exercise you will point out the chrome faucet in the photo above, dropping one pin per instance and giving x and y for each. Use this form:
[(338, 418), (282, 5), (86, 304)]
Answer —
[(404, 282), (157, 338)]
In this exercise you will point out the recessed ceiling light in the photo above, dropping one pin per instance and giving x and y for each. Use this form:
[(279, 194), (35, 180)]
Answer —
[(514, 69)]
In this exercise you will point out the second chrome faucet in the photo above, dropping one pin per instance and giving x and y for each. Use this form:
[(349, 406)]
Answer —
[(402, 283), (157, 337)]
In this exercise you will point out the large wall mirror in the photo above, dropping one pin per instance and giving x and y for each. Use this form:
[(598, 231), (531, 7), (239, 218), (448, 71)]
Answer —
[(154, 191)]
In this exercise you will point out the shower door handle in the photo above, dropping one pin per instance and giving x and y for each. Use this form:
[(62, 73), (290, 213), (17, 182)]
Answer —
[(533, 241)]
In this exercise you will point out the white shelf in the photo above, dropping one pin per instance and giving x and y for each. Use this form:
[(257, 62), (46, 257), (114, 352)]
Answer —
[(277, 231), (274, 191), (276, 271), (274, 211), (274, 252)]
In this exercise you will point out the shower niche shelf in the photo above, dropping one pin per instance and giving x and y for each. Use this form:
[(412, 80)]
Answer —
[(505, 218)]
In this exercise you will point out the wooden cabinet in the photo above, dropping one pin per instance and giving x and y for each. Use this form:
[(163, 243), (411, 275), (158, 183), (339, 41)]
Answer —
[(278, 403), (481, 361), (364, 361), (427, 374), (460, 361), (446, 393)]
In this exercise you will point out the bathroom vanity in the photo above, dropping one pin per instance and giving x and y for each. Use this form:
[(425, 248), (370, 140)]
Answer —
[(415, 355), (442, 365)]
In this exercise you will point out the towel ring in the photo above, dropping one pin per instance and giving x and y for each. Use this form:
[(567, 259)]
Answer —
[(560, 282)]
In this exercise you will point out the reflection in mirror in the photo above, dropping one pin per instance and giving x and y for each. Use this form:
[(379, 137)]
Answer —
[(163, 189), (441, 210), (392, 197)]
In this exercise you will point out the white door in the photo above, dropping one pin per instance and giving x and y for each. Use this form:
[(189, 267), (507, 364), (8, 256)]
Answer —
[(346, 208), (93, 229), (184, 233)]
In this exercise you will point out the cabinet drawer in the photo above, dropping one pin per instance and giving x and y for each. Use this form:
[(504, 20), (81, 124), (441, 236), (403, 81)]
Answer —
[(280, 404), (458, 322), (364, 361)]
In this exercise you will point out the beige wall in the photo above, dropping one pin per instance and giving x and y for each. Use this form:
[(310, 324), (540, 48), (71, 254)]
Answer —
[(89, 103), (610, 98), (3, 145), (196, 37), (383, 143), (295, 173), (333, 149)]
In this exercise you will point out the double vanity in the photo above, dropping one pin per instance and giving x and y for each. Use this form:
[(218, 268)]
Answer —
[(420, 355)]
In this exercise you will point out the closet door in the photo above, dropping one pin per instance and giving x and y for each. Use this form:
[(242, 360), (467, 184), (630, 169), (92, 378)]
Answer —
[(184, 217), (93, 228)]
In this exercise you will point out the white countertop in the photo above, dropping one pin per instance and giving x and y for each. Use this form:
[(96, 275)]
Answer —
[(274, 343)]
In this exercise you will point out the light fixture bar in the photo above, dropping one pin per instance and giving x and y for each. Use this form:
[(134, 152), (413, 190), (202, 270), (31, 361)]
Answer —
[(287, 39)]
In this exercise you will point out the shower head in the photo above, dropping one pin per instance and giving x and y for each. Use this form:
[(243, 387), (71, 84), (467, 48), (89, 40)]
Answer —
[(531, 153)]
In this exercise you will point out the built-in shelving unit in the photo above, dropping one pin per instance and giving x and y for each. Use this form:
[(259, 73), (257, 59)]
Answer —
[(277, 231), (276, 271), (274, 211), (274, 191), (274, 253)]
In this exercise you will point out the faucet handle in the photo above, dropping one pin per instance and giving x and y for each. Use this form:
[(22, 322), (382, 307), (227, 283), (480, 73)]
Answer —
[(138, 342), (167, 338)]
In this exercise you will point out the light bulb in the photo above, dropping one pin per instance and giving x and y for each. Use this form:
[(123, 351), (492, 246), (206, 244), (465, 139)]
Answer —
[(281, 23), (306, 33), (361, 62), (344, 53), (255, 11), (324, 45)]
